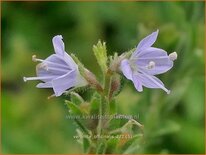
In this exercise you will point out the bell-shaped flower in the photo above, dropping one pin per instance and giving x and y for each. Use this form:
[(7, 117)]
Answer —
[(145, 62), (58, 71)]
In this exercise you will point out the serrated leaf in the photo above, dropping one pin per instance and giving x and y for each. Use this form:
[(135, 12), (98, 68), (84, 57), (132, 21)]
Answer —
[(76, 98), (100, 53)]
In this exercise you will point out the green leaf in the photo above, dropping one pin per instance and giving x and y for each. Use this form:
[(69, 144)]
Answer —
[(114, 123), (112, 107), (74, 109), (167, 128), (101, 148), (86, 145), (82, 127), (111, 145), (95, 104), (100, 53), (76, 98), (129, 144)]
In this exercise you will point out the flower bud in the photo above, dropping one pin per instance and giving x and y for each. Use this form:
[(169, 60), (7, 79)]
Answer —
[(91, 79), (115, 85)]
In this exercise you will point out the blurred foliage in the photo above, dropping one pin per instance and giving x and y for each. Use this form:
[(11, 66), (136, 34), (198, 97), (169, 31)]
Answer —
[(33, 124)]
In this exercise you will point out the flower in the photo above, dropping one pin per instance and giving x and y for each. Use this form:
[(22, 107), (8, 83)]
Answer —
[(58, 71), (145, 62)]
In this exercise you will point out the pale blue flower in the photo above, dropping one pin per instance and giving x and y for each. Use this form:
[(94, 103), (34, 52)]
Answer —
[(145, 62), (58, 71)]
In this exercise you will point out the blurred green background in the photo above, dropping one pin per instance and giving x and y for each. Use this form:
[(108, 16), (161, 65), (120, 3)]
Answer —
[(33, 124)]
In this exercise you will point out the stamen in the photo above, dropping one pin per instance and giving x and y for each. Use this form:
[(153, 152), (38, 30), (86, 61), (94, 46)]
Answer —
[(51, 96), (43, 66), (25, 79), (157, 83), (57, 69), (36, 78), (173, 56), (47, 68), (48, 62), (146, 58), (151, 65), (34, 58), (168, 91)]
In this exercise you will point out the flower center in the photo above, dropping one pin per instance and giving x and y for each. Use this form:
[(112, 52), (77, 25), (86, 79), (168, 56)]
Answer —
[(151, 65), (133, 65)]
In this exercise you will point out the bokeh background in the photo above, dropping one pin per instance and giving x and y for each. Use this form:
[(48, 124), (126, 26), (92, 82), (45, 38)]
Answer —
[(33, 124)]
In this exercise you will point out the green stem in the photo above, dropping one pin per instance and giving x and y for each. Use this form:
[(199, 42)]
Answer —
[(99, 127), (104, 105), (104, 101)]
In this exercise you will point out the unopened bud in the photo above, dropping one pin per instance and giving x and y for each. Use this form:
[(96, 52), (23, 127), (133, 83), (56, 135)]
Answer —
[(115, 85), (91, 79)]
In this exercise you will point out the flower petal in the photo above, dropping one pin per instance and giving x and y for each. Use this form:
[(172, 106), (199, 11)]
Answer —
[(137, 83), (55, 60), (58, 45), (44, 85), (151, 81), (80, 81), (51, 73), (146, 42), (158, 56), (60, 51), (64, 82), (126, 69), (68, 59)]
